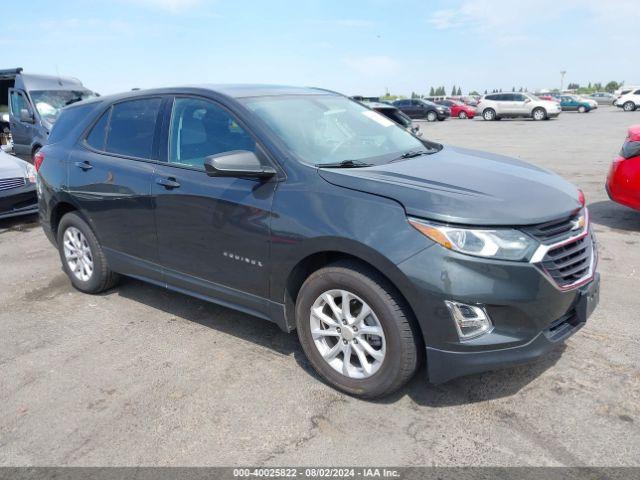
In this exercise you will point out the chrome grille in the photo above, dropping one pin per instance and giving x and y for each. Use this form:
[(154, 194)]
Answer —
[(569, 263), (9, 183), (554, 230)]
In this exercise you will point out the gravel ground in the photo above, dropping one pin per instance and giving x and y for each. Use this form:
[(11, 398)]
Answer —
[(142, 376)]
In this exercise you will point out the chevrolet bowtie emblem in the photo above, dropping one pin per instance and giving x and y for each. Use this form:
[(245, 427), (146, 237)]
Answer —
[(578, 223)]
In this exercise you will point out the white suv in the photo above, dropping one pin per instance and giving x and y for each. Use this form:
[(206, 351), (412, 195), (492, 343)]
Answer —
[(510, 105), (630, 101)]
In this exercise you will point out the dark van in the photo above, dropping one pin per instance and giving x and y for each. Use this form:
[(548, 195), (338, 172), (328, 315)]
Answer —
[(30, 105)]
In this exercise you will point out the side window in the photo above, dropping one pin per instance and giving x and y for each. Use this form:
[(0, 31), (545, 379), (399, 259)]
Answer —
[(18, 102), (200, 128), (519, 98), (98, 134), (637, 92), (415, 103), (132, 127), (490, 97)]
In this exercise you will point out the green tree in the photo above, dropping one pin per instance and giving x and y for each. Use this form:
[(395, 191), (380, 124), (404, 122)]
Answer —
[(453, 91), (612, 86), (573, 86), (485, 91), (459, 91), (432, 92), (513, 89), (474, 93)]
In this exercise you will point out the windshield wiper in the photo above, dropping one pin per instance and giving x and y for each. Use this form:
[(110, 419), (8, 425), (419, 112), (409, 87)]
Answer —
[(414, 153), (344, 164), (73, 100)]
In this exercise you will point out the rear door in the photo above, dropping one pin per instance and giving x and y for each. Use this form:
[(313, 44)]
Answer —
[(213, 232), (22, 132), (110, 174)]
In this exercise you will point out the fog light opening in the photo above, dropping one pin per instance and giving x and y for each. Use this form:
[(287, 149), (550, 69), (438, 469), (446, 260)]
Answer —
[(471, 321)]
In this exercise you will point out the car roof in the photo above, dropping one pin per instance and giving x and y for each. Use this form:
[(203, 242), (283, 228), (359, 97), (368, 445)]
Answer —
[(49, 82), (235, 91)]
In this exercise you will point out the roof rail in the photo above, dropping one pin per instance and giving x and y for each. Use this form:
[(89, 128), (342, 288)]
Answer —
[(11, 71)]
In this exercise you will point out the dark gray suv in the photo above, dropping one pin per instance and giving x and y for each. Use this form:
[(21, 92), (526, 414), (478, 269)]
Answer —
[(302, 207)]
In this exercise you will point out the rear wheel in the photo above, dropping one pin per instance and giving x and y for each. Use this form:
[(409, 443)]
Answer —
[(489, 114), (462, 115), (356, 331), (629, 106), (82, 257), (539, 114), (432, 116)]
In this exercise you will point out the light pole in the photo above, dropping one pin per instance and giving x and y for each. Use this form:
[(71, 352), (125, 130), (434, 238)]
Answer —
[(562, 74)]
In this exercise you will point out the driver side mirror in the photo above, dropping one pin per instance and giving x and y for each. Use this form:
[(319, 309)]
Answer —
[(26, 116), (527, 100), (237, 163)]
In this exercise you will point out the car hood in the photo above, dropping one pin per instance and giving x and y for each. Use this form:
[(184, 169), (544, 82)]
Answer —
[(10, 166), (465, 186)]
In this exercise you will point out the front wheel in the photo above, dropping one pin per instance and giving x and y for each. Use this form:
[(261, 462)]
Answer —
[(539, 114), (462, 115), (356, 331), (432, 116), (489, 114), (582, 109), (82, 257), (629, 106)]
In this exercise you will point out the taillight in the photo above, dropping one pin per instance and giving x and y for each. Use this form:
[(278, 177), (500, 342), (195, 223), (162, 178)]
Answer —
[(631, 146), (38, 158), (581, 198)]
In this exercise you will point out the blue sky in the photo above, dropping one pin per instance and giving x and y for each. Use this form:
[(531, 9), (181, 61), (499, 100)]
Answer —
[(353, 46)]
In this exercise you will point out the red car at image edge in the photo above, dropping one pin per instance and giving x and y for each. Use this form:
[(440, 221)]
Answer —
[(458, 109), (623, 182)]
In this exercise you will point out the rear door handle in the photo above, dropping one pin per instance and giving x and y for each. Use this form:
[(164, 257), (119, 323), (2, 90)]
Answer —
[(168, 183), (84, 165)]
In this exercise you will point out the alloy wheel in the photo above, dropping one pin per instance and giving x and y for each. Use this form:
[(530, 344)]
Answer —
[(628, 107), (432, 117), (347, 334), (462, 115), (77, 254), (538, 114)]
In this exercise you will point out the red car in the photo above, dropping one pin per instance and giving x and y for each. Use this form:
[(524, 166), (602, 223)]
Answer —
[(623, 182), (458, 109)]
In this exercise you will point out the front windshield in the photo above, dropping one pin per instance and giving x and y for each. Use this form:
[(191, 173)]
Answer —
[(329, 129), (49, 103)]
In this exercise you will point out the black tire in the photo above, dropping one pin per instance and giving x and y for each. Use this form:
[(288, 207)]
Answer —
[(432, 116), (102, 277), (539, 113), (629, 106), (403, 339), (489, 114)]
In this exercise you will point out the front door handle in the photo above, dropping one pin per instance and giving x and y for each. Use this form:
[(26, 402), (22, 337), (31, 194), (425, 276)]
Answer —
[(168, 183), (84, 165)]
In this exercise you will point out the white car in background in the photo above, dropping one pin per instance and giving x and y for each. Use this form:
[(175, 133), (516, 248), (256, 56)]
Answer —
[(624, 90), (496, 106), (630, 101), (17, 187)]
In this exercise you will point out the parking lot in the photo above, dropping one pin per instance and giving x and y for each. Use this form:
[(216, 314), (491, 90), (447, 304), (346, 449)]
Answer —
[(143, 376)]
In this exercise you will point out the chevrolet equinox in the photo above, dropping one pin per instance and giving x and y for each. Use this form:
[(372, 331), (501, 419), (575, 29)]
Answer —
[(299, 206)]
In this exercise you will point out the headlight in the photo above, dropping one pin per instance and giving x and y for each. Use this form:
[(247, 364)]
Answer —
[(30, 173), (503, 244)]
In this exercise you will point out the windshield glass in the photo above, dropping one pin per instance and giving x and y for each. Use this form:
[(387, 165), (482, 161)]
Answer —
[(327, 129), (50, 102)]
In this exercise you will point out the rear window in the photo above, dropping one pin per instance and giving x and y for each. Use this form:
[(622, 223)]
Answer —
[(69, 118), (132, 127), (98, 134)]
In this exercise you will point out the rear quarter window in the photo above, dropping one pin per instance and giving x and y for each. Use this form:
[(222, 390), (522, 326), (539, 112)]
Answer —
[(69, 118)]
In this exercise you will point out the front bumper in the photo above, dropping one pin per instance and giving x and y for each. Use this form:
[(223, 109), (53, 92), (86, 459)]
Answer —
[(443, 365), (18, 201), (530, 313)]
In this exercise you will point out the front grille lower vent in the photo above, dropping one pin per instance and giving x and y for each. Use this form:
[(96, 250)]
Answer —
[(9, 183)]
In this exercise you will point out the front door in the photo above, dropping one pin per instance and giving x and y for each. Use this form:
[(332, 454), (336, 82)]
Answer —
[(213, 232), (22, 132), (110, 174)]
